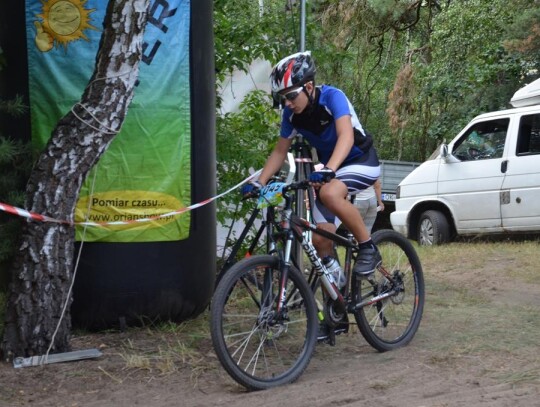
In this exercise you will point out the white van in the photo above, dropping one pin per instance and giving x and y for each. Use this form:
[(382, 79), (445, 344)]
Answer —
[(486, 180)]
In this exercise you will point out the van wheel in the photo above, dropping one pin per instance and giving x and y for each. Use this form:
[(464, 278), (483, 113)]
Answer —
[(433, 229)]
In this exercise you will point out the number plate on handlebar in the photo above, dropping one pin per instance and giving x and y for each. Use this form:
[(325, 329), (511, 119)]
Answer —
[(271, 195)]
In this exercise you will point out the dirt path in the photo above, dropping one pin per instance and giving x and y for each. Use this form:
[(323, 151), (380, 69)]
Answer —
[(477, 346)]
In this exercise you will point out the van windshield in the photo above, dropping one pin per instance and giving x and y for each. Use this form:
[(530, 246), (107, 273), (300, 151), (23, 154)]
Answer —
[(482, 141)]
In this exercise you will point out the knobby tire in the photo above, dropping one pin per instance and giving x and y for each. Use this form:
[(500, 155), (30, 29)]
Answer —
[(392, 322), (259, 347)]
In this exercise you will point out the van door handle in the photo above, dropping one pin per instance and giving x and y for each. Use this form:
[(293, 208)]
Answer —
[(504, 166)]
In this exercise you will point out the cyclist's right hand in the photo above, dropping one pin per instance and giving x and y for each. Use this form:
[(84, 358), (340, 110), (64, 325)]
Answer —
[(251, 189)]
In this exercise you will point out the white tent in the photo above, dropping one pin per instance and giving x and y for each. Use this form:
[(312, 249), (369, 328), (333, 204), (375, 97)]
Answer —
[(239, 84), (528, 95)]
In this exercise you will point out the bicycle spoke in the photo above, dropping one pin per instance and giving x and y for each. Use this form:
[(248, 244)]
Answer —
[(392, 319), (258, 342)]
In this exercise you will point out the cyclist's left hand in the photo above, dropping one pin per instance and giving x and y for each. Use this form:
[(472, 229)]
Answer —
[(322, 176), (251, 190)]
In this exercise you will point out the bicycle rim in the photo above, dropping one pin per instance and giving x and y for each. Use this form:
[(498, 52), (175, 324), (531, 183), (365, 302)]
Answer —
[(257, 344), (393, 321)]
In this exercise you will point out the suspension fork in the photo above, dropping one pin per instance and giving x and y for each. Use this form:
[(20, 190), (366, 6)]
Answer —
[(286, 264), (302, 156)]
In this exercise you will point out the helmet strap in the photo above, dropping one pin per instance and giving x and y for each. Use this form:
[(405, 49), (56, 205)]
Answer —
[(310, 95), (311, 100)]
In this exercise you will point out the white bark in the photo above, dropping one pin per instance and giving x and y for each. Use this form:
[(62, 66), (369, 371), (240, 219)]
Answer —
[(43, 268)]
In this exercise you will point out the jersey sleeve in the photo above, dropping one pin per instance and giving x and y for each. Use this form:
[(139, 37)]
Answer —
[(287, 130), (338, 104)]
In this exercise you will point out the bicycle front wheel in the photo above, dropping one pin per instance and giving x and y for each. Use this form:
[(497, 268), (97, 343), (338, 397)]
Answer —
[(259, 345), (391, 322)]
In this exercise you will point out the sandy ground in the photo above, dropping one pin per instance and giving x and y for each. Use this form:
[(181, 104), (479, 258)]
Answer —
[(481, 351)]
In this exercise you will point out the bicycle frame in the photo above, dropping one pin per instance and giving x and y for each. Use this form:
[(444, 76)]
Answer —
[(295, 228), (299, 227)]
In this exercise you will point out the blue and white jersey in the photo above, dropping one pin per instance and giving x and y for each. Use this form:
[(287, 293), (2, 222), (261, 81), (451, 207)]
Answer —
[(317, 124)]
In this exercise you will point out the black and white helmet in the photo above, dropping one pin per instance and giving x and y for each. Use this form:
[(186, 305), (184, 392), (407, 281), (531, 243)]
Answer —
[(294, 70)]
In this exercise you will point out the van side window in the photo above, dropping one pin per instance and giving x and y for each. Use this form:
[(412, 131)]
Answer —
[(482, 141), (529, 135)]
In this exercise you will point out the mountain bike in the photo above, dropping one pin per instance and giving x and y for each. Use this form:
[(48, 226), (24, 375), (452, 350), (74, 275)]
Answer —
[(265, 312)]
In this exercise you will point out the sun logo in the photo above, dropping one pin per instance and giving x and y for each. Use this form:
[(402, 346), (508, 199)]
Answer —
[(64, 21)]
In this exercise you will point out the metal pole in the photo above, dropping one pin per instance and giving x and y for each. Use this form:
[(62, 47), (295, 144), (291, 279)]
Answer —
[(303, 26)]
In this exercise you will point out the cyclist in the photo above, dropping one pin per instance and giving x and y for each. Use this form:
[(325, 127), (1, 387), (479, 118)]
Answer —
[(326, 119)]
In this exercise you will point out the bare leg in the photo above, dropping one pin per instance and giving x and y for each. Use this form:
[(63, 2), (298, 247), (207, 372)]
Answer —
[(334, 196), (324, 246)]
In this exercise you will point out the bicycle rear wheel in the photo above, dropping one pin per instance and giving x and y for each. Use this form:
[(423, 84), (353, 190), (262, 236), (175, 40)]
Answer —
[(257, 344), (393, 321)]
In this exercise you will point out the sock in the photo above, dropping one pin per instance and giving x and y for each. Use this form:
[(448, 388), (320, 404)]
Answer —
[(367, 244)]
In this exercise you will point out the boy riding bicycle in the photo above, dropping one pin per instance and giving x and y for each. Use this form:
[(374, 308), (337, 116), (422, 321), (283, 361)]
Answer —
[(326, 119)]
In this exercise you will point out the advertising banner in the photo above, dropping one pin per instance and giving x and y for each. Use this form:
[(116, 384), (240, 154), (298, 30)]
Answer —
[(146, 171)]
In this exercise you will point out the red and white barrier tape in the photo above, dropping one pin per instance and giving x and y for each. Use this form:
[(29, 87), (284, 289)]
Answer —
[(42, 218)]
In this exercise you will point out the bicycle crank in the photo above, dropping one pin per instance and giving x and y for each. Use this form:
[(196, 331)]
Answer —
[(334, 313)]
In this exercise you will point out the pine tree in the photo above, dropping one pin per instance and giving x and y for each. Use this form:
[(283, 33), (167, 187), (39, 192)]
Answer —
[(15, 163)]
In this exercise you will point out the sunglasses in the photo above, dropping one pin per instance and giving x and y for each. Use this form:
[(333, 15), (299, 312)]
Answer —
[(290, 96)]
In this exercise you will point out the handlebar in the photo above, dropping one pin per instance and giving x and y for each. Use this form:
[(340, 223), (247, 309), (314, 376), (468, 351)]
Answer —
[(275, 193), (293, 186)]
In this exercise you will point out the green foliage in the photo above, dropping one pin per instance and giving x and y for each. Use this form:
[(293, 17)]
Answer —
[(458, 55), (244, 141), (244, 32), (361, 49), (13, 107), (14, 171), (465, 57), (523, 38), (470, 72)]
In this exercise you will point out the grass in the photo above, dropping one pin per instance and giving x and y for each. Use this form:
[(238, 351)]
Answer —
[(165, 348), (463, 317), (477, 306), (516, 377), (473, 311), (446, 257)]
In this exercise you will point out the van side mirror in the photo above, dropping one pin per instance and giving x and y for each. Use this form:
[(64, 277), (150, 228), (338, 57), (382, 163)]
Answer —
[(446, 155), (444, 151)]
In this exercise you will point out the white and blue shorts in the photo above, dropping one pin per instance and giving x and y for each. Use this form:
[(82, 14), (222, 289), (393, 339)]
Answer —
[(357, 176)]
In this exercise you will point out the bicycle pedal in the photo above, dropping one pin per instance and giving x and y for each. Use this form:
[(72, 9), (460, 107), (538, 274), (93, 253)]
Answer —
[(330, 339), (326, 341), (341, 330)]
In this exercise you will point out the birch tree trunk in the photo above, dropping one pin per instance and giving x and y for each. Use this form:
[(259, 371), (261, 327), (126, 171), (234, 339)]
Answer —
[(42, 270)]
